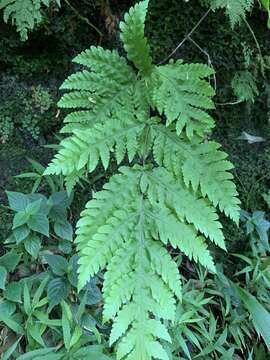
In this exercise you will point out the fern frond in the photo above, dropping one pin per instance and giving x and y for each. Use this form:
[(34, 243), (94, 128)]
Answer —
[(25, 14), (244, 86), (201, 164), (126, 227), (235, 9), (208, 168), (85, 147), (108, 87), (182, 236), (106, 213), (112, 113), (132, 35), (166, 192), (183, 96), (137, 283)]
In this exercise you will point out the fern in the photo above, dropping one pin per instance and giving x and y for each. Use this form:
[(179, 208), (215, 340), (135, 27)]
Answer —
[(235, 9), (169, 197), (25, 14), (244, 86)]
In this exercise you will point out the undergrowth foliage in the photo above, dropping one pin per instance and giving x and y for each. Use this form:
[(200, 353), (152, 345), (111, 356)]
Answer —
[(25, 14), (235, 9), (168, 196)]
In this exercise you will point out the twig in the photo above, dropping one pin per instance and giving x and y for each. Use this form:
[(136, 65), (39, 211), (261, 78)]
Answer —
[(229, 103), (257, 45), (208, 58), (83, 18), (186, 37)]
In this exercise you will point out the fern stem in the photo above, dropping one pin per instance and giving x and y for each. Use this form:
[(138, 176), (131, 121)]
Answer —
[(83, 18)]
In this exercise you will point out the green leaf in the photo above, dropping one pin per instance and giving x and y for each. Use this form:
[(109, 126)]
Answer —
[(10, 260), (39, 223), (34, 207), (260, 316), (61, 199), (39, 292), (26, 299), (65, 246), (27, 175), (13, 292), (20, 219), (7, 308), (76, 336), (92, 352), (66, 318), (44, 207), (63, 230), (58, 290), (36, 330), (44, 319), (33, 355), (57, 263), (93, 293), (3, 277), (21, 233), (17, 201), (32, 245), (73, 273)]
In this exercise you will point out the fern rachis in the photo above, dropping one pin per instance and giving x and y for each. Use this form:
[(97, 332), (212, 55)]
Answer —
[(126, 227)]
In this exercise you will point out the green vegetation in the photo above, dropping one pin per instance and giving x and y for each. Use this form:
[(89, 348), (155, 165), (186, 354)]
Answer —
[(125, 240)]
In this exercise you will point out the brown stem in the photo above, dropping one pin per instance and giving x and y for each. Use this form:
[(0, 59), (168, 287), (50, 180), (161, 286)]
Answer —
[(83, 18)]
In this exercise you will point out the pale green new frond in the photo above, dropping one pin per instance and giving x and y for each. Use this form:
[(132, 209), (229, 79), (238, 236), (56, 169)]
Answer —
[(183, 95), (132, 36), (207, 166), (25, 14), (165, 191), (235, 9), (84, 148)]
